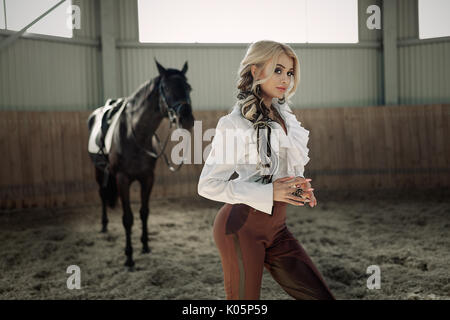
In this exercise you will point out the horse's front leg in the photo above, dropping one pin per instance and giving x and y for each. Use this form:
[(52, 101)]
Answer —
[(123, 183), (146, 190)]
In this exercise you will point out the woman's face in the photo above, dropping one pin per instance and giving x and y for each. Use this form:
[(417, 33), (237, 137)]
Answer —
[(280, 79)]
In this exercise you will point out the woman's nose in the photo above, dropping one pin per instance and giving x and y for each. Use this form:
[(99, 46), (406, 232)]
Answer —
[(285, 78)]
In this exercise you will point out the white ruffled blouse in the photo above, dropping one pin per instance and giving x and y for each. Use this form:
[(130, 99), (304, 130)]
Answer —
[(291, 149)]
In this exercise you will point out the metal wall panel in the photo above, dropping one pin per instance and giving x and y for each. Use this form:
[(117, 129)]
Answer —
[(329, 77), (47, 75), (424, 72), (68, 76), (127, 16), (424, 65), (407, 17)]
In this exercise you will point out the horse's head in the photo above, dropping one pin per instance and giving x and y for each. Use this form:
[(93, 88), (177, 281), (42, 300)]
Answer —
[(174, 91)]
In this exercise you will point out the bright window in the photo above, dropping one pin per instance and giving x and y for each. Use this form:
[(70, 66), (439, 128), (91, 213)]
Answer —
[(20, 13), (2, 15), (245, 21), (434, 19)]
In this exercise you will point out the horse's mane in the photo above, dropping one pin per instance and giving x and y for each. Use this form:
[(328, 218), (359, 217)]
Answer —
[(142, 93)]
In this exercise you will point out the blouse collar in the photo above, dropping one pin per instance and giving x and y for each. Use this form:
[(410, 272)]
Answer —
[(295, 141)]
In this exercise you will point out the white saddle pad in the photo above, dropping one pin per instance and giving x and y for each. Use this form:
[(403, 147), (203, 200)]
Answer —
[(93, 147)]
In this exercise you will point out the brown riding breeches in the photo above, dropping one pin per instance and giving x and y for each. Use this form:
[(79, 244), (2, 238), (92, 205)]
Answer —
[(249, 240)]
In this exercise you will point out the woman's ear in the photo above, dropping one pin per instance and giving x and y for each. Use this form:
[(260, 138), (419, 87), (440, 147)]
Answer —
[(253, 70)]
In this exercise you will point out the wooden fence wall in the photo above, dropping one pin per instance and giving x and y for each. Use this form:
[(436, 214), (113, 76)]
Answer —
[(44, 160)]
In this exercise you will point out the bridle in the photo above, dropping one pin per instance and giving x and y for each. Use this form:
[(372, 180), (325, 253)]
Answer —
[(173, 113)]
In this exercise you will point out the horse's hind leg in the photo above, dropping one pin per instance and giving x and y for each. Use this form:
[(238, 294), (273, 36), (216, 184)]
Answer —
[(124, 183), (146, 189)]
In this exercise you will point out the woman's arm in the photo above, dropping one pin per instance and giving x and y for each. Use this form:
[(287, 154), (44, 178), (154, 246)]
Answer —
[(214, 180)]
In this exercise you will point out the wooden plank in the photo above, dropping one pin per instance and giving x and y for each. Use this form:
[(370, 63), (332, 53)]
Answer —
[(416, 154), (349, 131), (358, 139), (68, 164), (46, 158), (411, 153), (398, 154), (35, 158), (431, 143), (440, 141), (375, 150), (333, 148), (320, 156), (26, 162), (384, 149), (405, 163), (16, 165), (5, 169), (378, 146), (58, 158), (424, 156), (342, 146), (88, 172), (72, 151), (389, 143), (347, 138), (81, 150), (370, 153), (446, 133), (76, 154)]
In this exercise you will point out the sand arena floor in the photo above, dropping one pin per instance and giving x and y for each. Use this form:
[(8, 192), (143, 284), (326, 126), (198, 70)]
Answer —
[(406, 236)]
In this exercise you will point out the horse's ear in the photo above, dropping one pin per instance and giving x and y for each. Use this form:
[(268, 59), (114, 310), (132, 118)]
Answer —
[(185, 67), (161, 69)]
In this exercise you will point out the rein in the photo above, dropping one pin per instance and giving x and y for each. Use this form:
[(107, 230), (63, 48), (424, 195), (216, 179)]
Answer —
[(173, 116)]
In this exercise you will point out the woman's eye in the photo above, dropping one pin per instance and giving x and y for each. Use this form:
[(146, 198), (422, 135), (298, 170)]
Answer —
[(290, 74)]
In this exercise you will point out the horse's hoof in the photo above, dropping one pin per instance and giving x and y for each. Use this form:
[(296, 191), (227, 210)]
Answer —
[(130, 269), (146, 250), (129, 264)]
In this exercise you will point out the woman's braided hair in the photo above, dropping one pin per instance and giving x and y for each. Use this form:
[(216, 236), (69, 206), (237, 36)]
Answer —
[(253, 109)]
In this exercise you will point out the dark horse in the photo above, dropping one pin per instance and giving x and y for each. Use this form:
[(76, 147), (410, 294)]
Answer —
[(133, 154)]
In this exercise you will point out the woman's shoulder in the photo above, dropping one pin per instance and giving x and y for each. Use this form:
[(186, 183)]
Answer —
[(234, 119)]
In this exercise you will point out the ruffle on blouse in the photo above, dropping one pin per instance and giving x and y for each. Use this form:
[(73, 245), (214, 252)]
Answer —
[(295, 141)]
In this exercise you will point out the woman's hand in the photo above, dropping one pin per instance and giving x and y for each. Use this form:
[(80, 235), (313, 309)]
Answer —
[(313, 199), (283, 188), (308, 192)]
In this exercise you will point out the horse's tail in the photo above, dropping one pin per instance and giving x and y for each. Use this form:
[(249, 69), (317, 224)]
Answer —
[(111, 190), (108, 187)]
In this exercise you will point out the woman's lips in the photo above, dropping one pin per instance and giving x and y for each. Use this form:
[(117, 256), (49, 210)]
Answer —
[(281, 89)]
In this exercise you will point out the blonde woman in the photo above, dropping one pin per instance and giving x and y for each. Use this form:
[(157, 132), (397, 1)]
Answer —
[(255, 167)]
